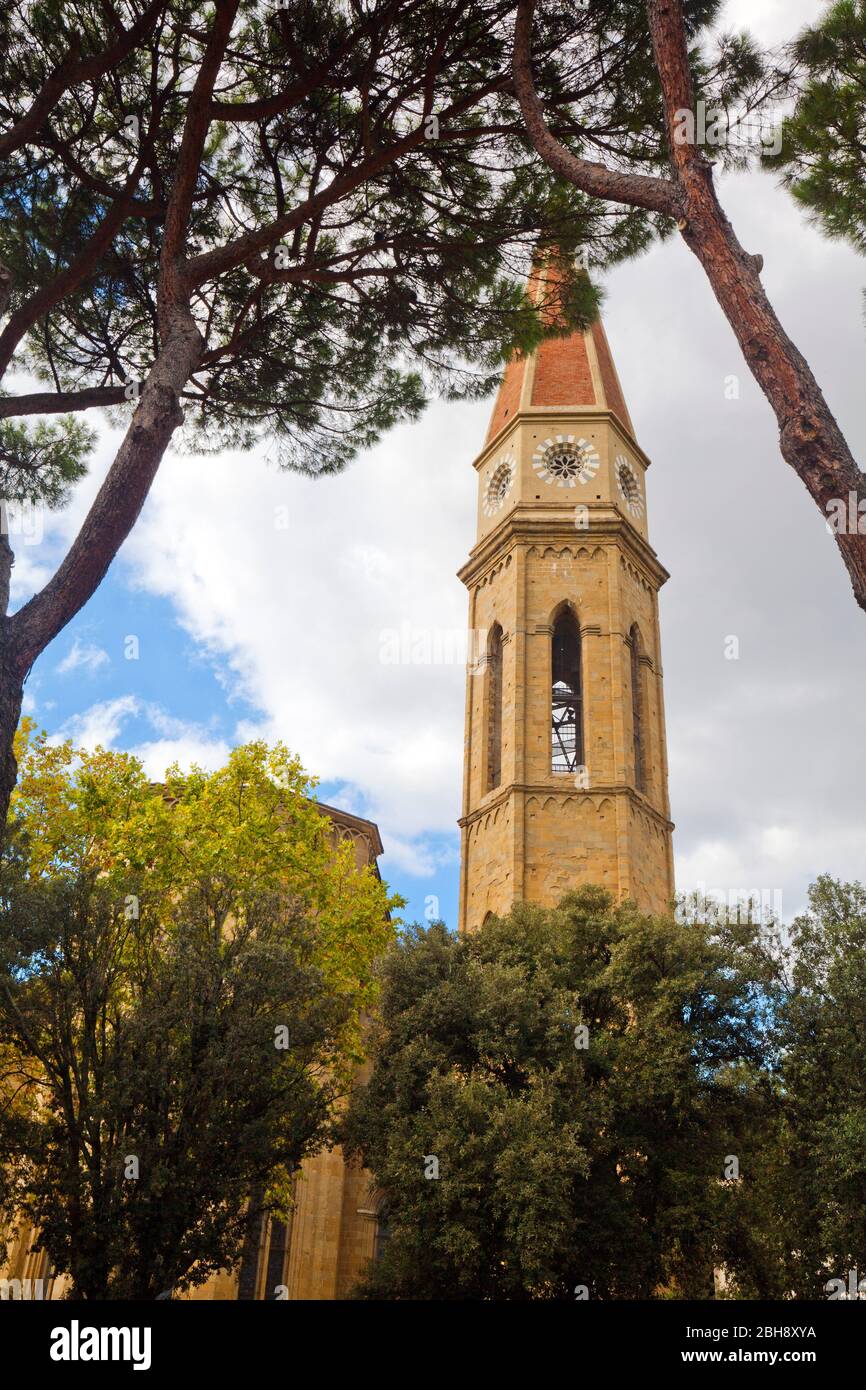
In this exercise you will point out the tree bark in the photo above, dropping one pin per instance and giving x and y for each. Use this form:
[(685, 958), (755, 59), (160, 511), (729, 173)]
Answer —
[(116, 506), (809, 436), (60, 402), (114, 511), (810, 439), (11, 696)]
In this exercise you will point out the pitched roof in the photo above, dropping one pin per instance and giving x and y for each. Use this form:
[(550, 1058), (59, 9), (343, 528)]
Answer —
[(574, 370)]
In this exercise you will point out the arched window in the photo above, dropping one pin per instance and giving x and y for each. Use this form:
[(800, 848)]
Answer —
[(566, 700), (494, 708), (636, 708)]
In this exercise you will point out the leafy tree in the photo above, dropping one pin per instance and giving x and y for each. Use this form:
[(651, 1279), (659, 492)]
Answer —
[(182, 974), (804, 1221), (562, 1166), (291, 221), (656, 162)]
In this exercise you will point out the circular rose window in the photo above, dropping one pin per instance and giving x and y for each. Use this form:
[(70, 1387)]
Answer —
[(498, 486), (629, 486), (565, 461)]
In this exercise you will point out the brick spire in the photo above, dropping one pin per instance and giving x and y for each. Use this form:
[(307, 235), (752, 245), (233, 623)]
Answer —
[(576, 370)]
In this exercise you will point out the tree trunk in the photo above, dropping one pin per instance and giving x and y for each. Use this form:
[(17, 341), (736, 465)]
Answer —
[(26, 634), (809, 437), (11, 687), (11, 695)]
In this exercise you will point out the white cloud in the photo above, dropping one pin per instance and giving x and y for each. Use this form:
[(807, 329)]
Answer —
[(421, 858), (190, 750), (413, 859), (771, 21), (30, 572), (299, 613), (103, 725), (100, 725), (83, 656)]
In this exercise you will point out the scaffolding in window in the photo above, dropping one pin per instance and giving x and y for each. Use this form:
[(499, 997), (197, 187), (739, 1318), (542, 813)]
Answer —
[(566, 715), (565, 708), (636, 709), (494, 710)]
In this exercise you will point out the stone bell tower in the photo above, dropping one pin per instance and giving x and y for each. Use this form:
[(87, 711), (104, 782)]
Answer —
[(565, 774)]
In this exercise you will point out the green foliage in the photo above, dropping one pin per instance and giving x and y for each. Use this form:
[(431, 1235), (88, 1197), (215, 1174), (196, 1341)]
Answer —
[(823, 152), (152, 942), (40, 463), (561, 1166), (805, 1221), (611, 1166)]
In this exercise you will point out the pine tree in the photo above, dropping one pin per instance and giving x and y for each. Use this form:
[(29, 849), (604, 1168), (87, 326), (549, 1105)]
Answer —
[(252, 220)]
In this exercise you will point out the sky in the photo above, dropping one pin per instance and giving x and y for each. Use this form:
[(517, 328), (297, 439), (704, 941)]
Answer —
[(254, 603)]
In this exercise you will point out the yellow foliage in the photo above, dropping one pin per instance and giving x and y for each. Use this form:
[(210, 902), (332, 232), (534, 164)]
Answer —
[(248, 829)]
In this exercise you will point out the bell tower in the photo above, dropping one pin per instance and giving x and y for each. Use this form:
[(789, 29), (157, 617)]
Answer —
[(565, 767)]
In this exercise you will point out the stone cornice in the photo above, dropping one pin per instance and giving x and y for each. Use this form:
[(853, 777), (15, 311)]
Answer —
[(533, 525), (555, 788)]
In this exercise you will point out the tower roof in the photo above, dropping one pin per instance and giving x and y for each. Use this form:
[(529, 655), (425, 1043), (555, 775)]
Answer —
[(576, 370)]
